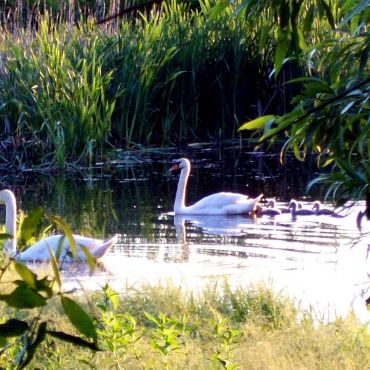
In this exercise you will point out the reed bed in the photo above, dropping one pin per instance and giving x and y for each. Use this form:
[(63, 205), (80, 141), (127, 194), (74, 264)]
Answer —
[(70, 91)]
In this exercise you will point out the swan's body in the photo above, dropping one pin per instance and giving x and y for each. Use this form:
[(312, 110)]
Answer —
[(321, 211), (272, 204), (39, 251), (224, 203), (267, 211), (296, 211)]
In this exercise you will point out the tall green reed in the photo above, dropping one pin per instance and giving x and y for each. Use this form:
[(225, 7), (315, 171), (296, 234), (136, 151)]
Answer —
[(176, 74), (58, 82)]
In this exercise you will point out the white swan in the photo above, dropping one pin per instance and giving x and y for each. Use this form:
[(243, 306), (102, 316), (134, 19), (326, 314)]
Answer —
[(39, 251), (223, 203)]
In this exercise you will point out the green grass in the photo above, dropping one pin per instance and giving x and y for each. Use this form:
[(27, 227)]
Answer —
[(164, 327)]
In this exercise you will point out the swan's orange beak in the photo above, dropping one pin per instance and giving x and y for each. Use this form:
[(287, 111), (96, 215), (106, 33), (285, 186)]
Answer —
[(174, 167)]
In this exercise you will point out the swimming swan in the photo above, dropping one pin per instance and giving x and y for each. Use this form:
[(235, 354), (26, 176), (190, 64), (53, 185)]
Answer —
[(223, 203), (39, 251), (272, 204), (317, 207), (296, 209), (267, 211)]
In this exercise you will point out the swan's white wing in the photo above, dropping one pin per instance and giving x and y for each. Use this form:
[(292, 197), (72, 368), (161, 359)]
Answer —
[(220, 200), (223, 203), (39, 251)]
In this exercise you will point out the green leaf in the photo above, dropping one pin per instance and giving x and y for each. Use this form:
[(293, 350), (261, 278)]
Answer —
[(79, 318), (357, 10), (13, 328), (283, 123), (31, 224), (308, 19), (23, 297), (59, 247), (26, 274), (347, 107), (73, 339), (31, 350), (89, 258), (328, 13), (55, 268), (281, 52), (258, 123), (67, 232), (3, 342), (316, 87), (5, 236), (263, 38)]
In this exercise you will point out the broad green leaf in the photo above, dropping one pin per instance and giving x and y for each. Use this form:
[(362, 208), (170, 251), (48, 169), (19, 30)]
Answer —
[(13, 328), (316, 87), (89, 258), (23, 297), (79, 318), (67, 232), (258, 123), (55, 268), (73, 339), (26, 274), (282, 125), (31, 224)]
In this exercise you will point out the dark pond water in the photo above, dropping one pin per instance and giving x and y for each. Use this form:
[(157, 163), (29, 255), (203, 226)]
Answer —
[(318, 260)]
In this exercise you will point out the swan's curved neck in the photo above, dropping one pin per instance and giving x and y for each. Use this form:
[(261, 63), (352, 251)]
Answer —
[(181, 190), (10, 221)]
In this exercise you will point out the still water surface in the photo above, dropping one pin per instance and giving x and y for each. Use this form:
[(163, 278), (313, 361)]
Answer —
[(320, 261)]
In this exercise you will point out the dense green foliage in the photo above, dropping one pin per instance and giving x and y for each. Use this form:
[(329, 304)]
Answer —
[(331, 114), (177, 75)]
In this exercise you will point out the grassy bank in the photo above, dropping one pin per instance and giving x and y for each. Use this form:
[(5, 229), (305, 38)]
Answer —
[(163, 327)]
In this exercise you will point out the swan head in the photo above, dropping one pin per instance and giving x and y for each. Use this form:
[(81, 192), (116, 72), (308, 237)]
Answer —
[(316, 205), (271, 203), (258, 210), (294, 204), (179, 164), (7, 196)]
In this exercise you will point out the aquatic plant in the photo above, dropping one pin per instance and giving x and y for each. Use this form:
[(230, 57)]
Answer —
[(183, 73)]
